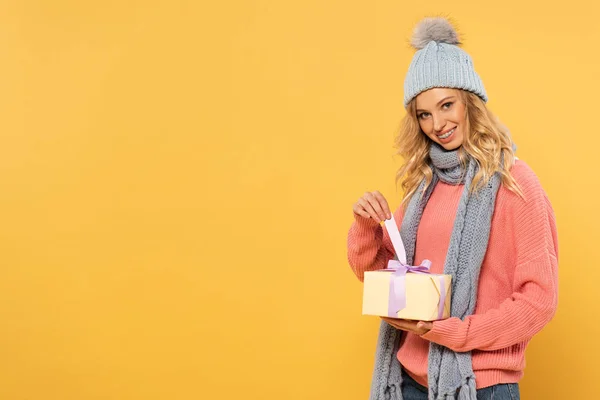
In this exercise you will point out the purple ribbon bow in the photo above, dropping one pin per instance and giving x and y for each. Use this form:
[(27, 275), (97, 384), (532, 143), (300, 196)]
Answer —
[(397, 293)]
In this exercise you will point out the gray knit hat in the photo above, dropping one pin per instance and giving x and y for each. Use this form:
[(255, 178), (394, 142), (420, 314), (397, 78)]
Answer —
[(439, 62)]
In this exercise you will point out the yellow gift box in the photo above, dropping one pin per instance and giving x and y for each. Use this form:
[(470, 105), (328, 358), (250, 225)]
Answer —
[(422, 295), (404, 291)]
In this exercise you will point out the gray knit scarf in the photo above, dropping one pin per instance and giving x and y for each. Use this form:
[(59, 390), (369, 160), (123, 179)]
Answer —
[(450, 374)]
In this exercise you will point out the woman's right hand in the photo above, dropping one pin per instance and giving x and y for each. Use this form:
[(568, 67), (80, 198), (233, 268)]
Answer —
[(372, 205)]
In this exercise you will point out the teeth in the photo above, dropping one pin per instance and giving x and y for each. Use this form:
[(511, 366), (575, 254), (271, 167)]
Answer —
[(447, 135)]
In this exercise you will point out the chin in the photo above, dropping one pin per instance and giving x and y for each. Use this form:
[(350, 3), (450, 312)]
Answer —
[(451, 146)]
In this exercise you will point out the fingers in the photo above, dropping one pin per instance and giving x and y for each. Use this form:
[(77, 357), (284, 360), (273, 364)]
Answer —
[(383, 204), (373, 205), (359, 209), (418, 327), (368, 207), (402, 324)]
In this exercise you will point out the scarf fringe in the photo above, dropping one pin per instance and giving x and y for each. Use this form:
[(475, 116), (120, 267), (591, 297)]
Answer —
[(395, 392), (467, 391)]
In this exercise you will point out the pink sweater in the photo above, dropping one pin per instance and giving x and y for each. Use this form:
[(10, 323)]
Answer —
[(518, 284)]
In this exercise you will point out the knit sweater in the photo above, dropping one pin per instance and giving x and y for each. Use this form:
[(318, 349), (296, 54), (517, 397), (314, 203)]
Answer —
[(518, 283)]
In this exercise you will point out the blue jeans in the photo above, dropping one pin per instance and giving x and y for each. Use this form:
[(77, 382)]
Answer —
[(411, 390)]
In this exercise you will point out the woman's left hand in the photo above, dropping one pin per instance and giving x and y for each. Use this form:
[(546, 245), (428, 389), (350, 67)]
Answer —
[(418, 327)]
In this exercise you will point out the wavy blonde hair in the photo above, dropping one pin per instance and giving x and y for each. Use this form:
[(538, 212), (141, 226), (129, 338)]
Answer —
[(486, 140)]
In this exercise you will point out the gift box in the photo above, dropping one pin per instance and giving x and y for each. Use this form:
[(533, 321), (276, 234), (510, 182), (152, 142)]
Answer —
[(404, 291)]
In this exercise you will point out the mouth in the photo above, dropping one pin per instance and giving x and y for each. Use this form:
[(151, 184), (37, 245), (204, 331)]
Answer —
[(446, 134)]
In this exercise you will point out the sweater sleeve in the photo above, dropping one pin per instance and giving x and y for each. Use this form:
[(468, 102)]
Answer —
[(369, 244), (534, 299)]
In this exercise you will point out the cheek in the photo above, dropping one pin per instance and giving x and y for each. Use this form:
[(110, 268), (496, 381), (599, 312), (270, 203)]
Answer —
[(425, 126), (459, 115)]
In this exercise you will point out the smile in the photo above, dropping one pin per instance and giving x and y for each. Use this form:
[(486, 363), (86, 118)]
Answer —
[(448, 134)]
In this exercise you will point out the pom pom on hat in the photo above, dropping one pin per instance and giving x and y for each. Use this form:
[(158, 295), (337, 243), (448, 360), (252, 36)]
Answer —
[(433, 28)]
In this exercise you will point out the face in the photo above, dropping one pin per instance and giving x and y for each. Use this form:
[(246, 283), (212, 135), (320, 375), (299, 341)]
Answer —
[(441, 115)]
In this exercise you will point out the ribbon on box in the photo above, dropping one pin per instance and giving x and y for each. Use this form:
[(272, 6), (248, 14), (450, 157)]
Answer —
[(397, 294)]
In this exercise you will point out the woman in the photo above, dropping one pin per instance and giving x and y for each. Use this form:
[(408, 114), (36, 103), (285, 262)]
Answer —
[(477, 213)]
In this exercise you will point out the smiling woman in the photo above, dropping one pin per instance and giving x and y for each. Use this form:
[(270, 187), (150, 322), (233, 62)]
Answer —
[(478, 214)]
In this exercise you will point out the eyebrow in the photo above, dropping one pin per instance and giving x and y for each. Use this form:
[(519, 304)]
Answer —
[(440, 102)]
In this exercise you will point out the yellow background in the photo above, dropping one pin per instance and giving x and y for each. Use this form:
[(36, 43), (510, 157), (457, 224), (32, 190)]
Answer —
[(176, 183)]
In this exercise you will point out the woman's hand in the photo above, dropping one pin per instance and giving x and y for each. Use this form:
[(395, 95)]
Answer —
[(418, 327), (372, 205)]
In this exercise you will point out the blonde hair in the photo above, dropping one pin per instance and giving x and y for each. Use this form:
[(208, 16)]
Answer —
[(486, 140)]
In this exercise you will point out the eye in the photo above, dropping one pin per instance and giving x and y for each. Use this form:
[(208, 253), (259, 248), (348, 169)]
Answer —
[(447, 105), (423, 115)]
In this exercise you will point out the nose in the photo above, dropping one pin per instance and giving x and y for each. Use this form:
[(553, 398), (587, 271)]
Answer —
[(438, 123)]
